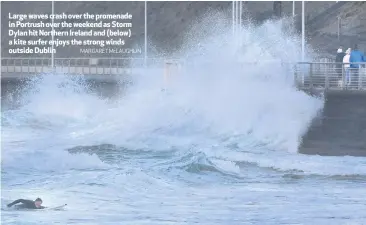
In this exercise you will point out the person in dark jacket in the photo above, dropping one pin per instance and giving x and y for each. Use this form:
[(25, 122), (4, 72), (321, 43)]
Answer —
[(28, 204), (339, 61), (355, 58)]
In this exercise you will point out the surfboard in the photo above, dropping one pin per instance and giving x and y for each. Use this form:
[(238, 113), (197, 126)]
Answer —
[(61, 207)]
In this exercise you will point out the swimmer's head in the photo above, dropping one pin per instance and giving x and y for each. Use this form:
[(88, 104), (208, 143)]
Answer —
[(38, 202)]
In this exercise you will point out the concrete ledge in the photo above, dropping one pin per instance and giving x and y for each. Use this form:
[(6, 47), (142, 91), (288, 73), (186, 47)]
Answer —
[(8, 70), (333, 91), (89, 73), (340, 129), (90, 77)]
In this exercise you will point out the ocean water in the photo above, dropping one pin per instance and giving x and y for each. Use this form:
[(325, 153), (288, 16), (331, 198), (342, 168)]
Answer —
[(216, 143)]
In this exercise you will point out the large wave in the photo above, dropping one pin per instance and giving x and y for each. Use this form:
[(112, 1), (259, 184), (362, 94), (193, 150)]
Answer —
[(215, 113)]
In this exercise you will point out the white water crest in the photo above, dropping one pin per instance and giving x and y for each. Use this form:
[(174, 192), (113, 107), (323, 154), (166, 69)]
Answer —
[(244, 95), (221, 131)]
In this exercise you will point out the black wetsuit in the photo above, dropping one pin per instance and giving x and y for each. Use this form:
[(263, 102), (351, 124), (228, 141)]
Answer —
[(27, 204)]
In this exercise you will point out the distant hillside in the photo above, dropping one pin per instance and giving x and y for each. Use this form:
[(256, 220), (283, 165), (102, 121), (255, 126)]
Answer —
[(169, 21), (322, 30)]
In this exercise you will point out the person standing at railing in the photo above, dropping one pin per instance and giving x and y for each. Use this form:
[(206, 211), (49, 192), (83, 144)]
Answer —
[(339, 61), (346, 66), (355, 59)]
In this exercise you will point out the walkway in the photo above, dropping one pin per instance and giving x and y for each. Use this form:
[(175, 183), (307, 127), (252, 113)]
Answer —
[(313, 76)]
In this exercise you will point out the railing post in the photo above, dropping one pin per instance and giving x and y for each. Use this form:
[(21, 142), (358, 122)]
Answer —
[(326, 78), (311, 83), (343, 78), (117, 66), (363, 75), (359, 77), (303, 77), (295, 74)]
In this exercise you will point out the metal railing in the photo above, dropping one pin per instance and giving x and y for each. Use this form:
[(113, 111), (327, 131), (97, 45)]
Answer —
[(330, 75), (85, 66), (307, 75)]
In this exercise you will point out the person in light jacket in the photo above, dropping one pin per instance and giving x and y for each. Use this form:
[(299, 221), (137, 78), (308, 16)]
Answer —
[(339, 60), (346, 66)]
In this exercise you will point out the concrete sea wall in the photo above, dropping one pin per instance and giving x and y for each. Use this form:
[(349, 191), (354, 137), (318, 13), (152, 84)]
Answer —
[(340, 129)]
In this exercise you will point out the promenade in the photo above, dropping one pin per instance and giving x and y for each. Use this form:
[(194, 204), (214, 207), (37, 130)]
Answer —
[(104, 70), (308, 76)]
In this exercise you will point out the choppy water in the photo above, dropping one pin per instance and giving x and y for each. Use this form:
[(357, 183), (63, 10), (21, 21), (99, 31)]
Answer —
[(218, 146)]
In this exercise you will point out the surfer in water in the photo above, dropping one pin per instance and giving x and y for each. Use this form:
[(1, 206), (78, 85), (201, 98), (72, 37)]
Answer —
[(28, 204)]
